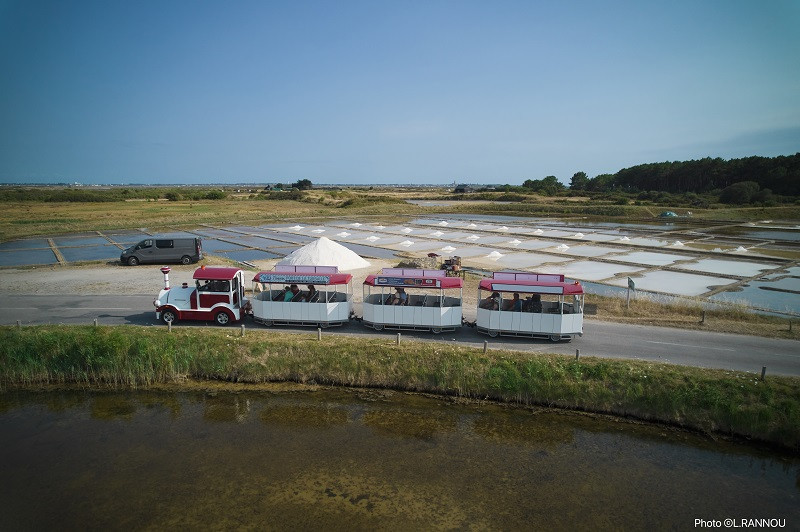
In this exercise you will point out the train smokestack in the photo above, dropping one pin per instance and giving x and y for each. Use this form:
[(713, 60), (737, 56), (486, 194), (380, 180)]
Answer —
[(165, 270)]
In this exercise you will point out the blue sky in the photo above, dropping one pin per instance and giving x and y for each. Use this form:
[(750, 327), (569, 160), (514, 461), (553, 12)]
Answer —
[(377, 92)]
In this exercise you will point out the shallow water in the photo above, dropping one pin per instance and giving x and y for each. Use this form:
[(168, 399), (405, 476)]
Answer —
[(363, 460)]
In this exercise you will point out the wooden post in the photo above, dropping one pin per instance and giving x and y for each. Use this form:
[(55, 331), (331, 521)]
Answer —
[(169, 326), (242, 329), (763, 372), (703, 317), (19, 324), (398, 338), (485, 346), (95, 322), (628, 299), (577, 354), (319, 333), (790, 325)]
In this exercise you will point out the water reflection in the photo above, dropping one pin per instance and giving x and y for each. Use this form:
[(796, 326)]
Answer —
[(362, 459)]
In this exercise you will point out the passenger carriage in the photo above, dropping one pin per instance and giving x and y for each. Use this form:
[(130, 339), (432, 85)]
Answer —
[(546, 306), (217, 294), (432, 300), (324, 296)]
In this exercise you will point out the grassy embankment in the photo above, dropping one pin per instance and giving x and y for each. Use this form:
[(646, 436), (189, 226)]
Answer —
[(707, 400)]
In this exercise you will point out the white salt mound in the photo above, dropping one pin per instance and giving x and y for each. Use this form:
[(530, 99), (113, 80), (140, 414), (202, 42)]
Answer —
[(437, 233), (677, 243), (442, 223), (538, 232), (407, 229), (504, 229), (472, 225), (515, 242), (343, 234), (355, 224), (578, 235), (318, 231), (406, 243), (296, 227), (563, 247), (373, 238), (473, 237), (741, 249), (448, 248), (325, 252), (624, 239), (494, 255)]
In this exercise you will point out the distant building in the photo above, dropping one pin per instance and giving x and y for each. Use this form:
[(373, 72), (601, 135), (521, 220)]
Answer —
[(463, 189)]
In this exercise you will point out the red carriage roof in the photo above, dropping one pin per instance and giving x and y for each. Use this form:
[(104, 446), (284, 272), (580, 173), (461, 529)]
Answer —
[(215, 274)]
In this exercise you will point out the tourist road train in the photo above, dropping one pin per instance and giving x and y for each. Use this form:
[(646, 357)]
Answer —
[(509, 303)]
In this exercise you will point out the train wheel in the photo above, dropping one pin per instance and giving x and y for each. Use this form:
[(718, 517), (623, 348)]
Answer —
[(222, 318), (168, 316)]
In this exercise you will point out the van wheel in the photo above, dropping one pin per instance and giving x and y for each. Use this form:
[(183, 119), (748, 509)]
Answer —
[(168, 316), (133, 261), (186, 259), (222, 318)]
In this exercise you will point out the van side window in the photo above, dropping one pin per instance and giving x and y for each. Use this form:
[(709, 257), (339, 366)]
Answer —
[(164, 244), (144, 244)]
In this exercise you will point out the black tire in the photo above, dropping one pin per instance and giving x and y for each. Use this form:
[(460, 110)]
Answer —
[(493, 334), (133, 261), (377, 326), (436, 330), (555, 337), (222, 318), (168, 316), (186, 259)]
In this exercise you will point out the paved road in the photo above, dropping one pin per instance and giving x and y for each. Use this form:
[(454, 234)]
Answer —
[(602, 339)]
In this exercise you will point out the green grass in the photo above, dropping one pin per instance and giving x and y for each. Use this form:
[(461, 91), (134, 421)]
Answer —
[(707, 400)]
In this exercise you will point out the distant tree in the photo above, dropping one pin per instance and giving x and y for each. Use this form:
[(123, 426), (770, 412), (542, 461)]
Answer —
[(549, 186), (579, 181), (302, 184), (172, 196), (740, 193)]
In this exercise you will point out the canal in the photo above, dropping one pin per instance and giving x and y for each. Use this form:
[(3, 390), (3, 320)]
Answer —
[(282, 457)]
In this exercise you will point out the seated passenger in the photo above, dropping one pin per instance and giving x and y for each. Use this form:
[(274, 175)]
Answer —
[(491, 302), (535, 303), (400, 297), (312, 294), (514, 305), (291, 293), (281, 294)]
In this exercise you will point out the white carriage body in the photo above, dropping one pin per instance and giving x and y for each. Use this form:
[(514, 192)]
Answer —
[(431, 307), (332, 304), (558, 317)]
